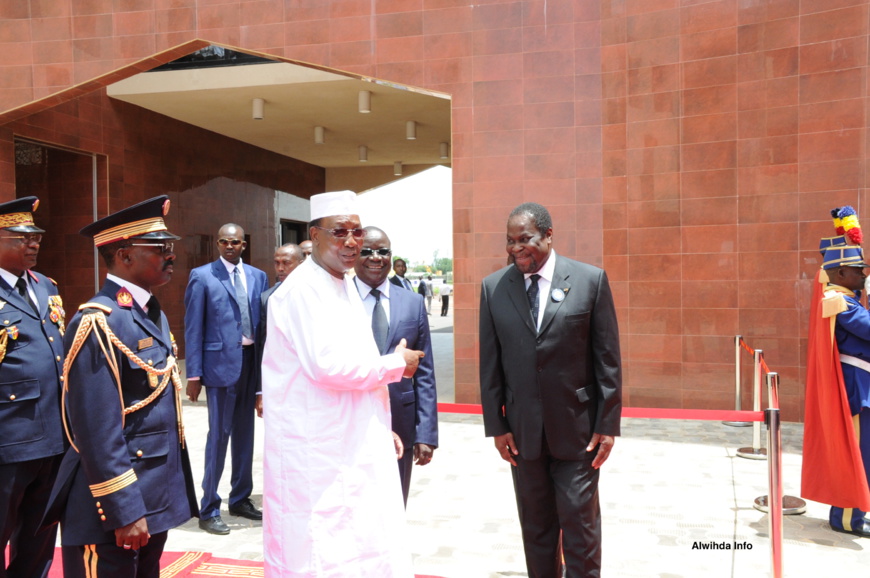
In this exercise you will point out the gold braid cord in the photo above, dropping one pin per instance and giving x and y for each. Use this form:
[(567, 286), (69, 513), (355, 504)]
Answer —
[(89, 324)]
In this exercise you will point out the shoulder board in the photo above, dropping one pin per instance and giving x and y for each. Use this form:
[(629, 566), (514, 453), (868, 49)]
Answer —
[(93, 305), (53, 281), (833, 303)]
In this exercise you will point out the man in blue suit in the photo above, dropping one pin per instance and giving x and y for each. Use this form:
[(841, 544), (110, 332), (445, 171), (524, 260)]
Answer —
[(126, 479), (413, 401), (31, 363), (222, 312)]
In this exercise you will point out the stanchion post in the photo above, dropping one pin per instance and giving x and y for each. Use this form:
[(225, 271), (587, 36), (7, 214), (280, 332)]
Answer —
[(790, 505), (756, 452), (738, 403), (774, 476)]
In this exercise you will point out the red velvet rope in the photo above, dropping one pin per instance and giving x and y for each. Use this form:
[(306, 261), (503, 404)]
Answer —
[(641, 412)]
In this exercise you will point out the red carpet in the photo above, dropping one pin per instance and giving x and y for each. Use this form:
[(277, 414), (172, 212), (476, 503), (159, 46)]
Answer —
[(195, 564)]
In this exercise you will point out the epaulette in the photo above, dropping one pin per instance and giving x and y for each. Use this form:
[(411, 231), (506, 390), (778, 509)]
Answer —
[(52, 280), (92, 305), (833, 303)]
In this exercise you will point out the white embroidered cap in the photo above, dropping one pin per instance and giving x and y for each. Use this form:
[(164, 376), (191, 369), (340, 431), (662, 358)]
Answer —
[(333, 204)]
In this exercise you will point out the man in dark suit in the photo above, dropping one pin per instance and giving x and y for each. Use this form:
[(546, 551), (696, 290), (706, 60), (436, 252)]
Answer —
[(549, 355), (400, 267), (126, 479), (287, 257), (31, 362), (222, 312), (413, 401)]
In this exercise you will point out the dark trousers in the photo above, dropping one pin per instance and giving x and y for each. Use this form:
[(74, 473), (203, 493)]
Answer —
[(111, 561), (24, 491), (445, 305), (230, 422), (556, 495)]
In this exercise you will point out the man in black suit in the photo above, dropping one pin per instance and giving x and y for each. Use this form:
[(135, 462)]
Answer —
[(31, 363), (400, 268), (549, 355)]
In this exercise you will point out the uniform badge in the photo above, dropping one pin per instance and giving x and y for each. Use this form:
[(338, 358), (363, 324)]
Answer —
[(2, 304), (146, 343), (166, 207), (124, 298), (56, 312), (3, 340), (12, 331), (558, 295)]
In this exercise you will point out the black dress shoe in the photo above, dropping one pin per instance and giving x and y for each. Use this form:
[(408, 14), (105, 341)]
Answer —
[(214, 526), (246, 509), (862, 530)]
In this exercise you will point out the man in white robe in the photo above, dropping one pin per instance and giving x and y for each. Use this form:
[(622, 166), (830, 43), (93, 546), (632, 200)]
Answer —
[(332, 501)]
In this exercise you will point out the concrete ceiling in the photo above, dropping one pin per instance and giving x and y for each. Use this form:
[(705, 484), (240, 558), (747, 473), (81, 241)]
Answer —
[(297, 99)]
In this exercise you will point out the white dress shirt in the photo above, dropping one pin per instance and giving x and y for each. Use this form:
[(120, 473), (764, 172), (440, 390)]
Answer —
[(365, 293), (13, 279), (544, 283)]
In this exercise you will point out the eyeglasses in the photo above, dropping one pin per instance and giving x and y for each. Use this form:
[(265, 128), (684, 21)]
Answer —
[(165, 248), (233, 242), (28, 239), (342, 233), (382, 252)]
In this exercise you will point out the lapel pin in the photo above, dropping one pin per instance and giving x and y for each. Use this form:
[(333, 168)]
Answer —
[(558, 295)]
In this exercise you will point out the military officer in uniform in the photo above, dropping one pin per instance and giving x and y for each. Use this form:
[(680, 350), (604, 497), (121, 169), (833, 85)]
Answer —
[(31, 363), (126, 479)]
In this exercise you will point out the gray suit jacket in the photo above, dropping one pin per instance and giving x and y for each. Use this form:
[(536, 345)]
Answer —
[(564, 378)]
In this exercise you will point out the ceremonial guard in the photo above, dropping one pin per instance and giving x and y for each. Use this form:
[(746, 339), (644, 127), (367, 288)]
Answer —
[(31, 362), (836, 453), (126, 479)]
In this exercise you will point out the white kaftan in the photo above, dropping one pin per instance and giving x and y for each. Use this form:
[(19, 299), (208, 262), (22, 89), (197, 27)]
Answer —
[(332, 502)]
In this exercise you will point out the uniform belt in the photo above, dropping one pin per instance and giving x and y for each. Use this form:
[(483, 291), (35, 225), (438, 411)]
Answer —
[(855, 362)]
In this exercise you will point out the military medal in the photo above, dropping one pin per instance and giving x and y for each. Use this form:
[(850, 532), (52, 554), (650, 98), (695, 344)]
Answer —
[(56, 312), (124, 298), (558, 295), (12, 331)]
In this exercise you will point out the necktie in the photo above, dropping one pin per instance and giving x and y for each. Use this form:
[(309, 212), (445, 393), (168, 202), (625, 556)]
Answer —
[(21, 285), (532, 293), (408, 285), (153, 310), (244, 306), (380, 327)]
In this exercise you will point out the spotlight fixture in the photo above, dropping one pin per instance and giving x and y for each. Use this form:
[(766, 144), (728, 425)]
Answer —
[(365, 101), (318, 135), (363, 154), (259, 107), (397, 168), (411, 130), (444, 150)]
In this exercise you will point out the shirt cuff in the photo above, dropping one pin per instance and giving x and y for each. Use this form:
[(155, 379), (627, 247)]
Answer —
[(394, 363)]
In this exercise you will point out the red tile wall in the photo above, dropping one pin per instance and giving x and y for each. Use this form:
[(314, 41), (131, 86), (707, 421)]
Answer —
[(693, 148)]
